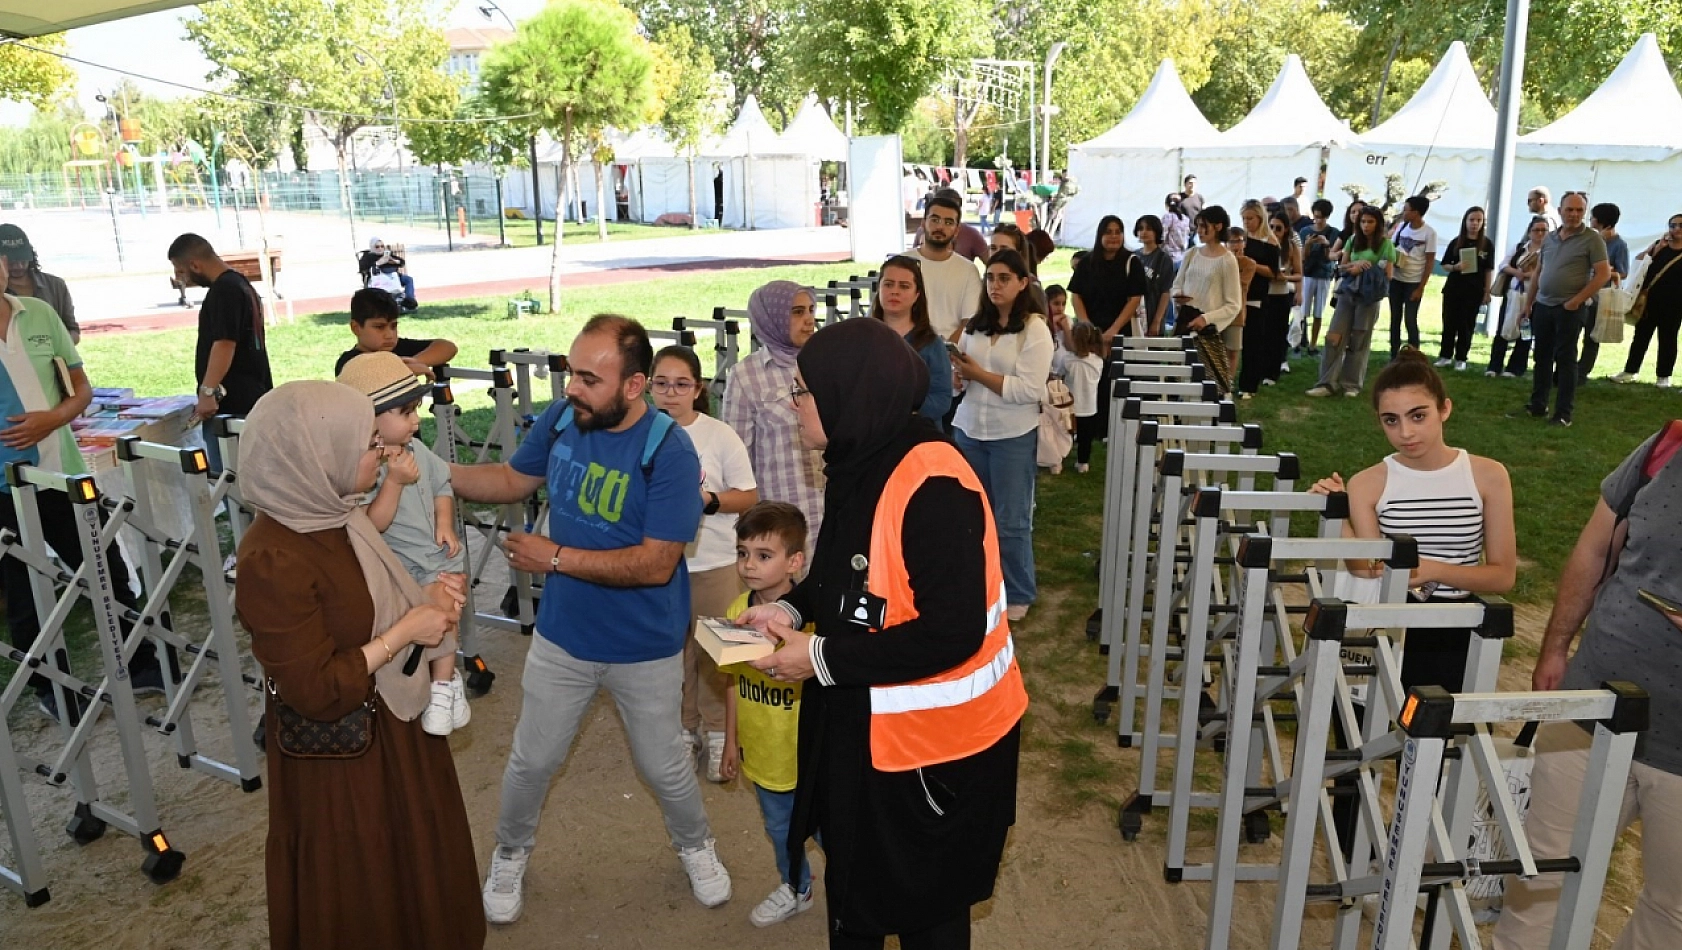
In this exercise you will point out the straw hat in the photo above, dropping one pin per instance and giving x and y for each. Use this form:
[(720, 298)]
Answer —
[(384, 378)]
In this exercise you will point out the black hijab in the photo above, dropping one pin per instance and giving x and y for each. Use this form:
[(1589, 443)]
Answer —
[(867, 384)]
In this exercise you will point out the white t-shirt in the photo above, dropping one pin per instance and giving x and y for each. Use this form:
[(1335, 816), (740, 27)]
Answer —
[(14, 353), (1416, 250), (724, 467), (1083, 373), (954, 287)]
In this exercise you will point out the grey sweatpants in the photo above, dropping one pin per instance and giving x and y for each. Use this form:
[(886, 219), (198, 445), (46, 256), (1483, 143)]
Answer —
[(558, 690)]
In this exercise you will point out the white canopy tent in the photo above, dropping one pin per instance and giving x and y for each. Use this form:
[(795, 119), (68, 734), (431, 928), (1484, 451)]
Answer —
[(1622, 144), (766, 185), (1446, 132), (1131, 167), (813, 133), (38, 18), (1281, 139)]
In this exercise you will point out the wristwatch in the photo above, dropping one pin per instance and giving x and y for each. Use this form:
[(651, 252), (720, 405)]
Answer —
[(712, 503), (214, 392)]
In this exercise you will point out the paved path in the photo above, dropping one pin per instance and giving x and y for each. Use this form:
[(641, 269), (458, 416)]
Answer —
[(145, 301)]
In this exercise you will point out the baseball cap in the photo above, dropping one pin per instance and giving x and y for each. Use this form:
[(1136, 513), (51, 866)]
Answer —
[(384, 378), (14, 244)]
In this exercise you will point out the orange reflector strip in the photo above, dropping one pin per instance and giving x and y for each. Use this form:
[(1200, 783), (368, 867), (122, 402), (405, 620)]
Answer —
[(1408, 709), (200, 461), (89, 492), (159, 844)]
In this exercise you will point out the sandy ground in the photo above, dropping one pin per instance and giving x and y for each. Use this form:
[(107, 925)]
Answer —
[(604, 876)]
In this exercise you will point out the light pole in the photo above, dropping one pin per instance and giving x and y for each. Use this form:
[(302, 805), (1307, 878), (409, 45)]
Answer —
[(1506, 123), (485, 10), (1050, 110)]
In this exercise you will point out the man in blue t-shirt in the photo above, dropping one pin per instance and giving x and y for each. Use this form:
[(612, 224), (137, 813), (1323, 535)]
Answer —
[(615, 607)]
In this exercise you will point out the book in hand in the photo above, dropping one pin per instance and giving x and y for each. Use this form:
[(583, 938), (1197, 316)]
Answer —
[(728, 642), (1468, 260)]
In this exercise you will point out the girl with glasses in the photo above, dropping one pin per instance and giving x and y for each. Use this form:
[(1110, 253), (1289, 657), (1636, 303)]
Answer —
[(1662, 314), (727, 489), (1513, 284)]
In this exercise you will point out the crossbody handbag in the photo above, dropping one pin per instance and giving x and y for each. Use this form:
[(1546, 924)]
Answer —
[(1639, 306), (301, 737)]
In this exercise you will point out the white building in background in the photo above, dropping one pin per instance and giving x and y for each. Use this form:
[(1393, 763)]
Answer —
[(468, 46)]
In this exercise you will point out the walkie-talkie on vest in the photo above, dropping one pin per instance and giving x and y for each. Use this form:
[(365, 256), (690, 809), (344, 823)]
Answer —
[(859, 606)]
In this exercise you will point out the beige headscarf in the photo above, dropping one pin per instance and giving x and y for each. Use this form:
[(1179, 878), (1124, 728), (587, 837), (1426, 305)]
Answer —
[(302, 444)]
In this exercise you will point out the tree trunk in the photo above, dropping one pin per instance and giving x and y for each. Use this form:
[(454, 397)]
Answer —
[(346, 194), (960, 134), (1384, 77), (693, 221), (601, 202), (560, 230)]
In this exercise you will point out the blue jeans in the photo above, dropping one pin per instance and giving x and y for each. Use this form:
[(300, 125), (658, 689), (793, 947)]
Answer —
[(777, 809), (1007, 468), (1555, 330)]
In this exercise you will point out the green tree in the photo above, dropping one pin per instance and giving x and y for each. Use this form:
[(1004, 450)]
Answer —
[(690, 107), (580, 66), (35, 78), (1250, 40), (346, 63), (884, 55), (752, 43)]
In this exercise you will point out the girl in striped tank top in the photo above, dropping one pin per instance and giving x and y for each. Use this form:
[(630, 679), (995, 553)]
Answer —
[(1458, 506)]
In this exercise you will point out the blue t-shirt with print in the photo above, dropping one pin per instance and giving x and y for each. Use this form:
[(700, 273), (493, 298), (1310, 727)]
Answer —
[(599, 500)]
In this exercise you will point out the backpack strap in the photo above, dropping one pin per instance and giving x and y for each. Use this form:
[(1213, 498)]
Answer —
[(657, 433)]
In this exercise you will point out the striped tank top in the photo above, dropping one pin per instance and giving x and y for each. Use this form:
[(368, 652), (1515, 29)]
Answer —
[(1442, 510)]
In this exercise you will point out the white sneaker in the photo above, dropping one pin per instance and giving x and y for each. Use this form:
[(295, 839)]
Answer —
[(1664, 382), (1443, 362), (1490, 373), (1509, 375), (715, 757), (1319, 391), (1460, 367), (708, 880), (1016, 612), (692, 747), (1352, 393), (439, 717), (461, 713), (1284, 367), (1624, 378), (780, 906), (1082, 467), (1269, 382), (504, 883)]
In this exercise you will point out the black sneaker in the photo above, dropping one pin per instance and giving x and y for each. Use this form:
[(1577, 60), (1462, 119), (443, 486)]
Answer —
[(146, 680), (1560, 421), (1527, 411)]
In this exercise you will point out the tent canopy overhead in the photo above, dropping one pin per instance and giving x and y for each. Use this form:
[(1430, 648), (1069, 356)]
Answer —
[(21, 18), (1290, 114), (1450, 111), (1636, 114), (1163, 118), (814, 134)]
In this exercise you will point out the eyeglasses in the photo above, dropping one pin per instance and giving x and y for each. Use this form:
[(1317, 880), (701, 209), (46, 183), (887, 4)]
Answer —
[(679, 386), (796, 391)]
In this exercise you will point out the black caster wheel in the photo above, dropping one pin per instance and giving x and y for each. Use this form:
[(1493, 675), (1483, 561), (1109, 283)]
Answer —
[(1257, 827), (84, 827), (478, 677), (1095, 624), (162, 863), (1100, 712), (1173, 875)]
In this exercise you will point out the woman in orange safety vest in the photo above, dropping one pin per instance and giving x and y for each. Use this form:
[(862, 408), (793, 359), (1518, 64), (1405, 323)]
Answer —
[(909, 732)]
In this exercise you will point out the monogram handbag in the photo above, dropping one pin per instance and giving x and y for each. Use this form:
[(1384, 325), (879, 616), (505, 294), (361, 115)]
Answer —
[(303, 738)]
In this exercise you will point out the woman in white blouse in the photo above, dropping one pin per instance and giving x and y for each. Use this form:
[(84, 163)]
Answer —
[(1005, 351), (1208, 280)]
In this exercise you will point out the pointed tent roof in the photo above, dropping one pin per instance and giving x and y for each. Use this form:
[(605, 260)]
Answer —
[(1450, 111), (813, 133), (1291, 114), (646, 142), (34, 18), (1164, 117), (1636, 114), (750, 132)]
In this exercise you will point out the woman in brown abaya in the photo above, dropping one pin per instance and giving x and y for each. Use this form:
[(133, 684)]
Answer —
[(373, 851)]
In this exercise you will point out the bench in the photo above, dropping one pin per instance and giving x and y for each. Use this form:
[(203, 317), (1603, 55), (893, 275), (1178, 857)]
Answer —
[(248, 264)]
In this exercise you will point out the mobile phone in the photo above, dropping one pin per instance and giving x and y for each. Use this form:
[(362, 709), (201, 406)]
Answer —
[(952, 349), (1663, 605)]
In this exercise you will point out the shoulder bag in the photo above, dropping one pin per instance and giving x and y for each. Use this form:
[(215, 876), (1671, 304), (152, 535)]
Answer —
[(300, 737), (1638, 306)]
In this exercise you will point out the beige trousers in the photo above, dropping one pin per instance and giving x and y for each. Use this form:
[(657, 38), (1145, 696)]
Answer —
[(710, 595), (1652, 795)]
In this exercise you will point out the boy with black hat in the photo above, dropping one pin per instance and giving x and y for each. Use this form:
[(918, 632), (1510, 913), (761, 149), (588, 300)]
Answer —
[(28, 280)]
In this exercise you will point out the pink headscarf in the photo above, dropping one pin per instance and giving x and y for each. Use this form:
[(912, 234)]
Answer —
[(768, 312)]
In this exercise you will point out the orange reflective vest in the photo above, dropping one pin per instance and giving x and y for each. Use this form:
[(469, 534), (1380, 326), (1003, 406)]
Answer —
[(968, 708)]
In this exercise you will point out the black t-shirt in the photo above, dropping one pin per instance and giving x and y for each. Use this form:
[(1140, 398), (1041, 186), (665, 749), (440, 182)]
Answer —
[(230, 312), (1465, 285), (406, 348), (1105, 285), (1265, 255)]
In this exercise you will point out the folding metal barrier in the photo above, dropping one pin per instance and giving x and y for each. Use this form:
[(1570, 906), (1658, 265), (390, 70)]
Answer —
[(81, 703), (727, 348)]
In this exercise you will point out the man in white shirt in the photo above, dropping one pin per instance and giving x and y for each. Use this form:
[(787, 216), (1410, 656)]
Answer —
[(952, 282), (1539, 202), (1416, 252)]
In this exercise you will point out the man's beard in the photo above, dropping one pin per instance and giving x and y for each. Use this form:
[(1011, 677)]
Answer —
[(936, 243), (589, 419)]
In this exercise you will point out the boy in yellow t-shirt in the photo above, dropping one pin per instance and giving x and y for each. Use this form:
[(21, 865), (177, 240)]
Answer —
[(761, 715)]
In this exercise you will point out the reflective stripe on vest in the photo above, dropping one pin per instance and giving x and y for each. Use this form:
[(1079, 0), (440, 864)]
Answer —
[(963, 710)]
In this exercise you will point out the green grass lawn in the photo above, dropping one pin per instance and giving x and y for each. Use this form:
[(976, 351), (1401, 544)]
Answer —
[(523, 233)]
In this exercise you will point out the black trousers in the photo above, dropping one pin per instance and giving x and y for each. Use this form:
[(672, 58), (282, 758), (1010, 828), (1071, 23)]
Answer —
[(1663, 323), (950, 935), (62, 531), (1088, 429), (1460, 317), (1556, 331), (1404, 308)]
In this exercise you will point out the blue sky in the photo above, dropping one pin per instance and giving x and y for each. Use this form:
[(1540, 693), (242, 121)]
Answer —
[(156, 45)]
